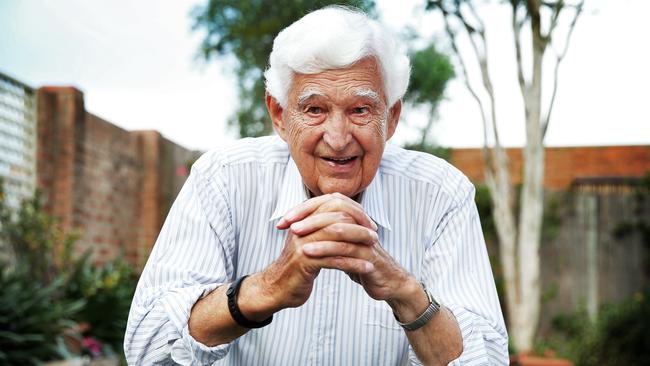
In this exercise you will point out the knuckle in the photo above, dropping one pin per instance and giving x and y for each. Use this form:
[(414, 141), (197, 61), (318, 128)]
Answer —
[(335, 228), (359, 266), (338, 261), (350, 250)]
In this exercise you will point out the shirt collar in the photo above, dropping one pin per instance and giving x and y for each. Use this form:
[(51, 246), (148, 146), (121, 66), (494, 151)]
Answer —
[(372, 201), (292, 192)]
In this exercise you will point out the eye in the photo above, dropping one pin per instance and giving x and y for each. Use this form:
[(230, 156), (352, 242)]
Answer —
[(361, 110), (314, 110)]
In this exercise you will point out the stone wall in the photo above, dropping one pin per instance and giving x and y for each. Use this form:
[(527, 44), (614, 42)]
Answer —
[(599, 254)]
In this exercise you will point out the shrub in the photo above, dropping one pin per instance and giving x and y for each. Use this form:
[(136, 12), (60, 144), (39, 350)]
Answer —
[(32, 318), (619, 335), (45, 290), (107, 291)]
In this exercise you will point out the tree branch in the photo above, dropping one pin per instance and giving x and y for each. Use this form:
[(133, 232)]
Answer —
[(558, 59), (479, 46), (463, 68), (557, 9), (516, 30)]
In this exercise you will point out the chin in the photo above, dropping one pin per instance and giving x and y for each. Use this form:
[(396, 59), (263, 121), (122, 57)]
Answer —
[(347, 191)]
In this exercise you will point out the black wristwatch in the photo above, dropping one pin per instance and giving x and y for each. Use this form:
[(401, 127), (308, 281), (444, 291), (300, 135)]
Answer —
[(236, 314)]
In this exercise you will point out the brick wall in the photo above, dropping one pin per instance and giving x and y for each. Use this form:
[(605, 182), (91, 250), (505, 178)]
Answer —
[(112, 186), (565, 164)]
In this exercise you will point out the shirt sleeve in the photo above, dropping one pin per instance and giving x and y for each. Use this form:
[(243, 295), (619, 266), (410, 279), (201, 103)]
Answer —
[(188, 261), (457, 271)]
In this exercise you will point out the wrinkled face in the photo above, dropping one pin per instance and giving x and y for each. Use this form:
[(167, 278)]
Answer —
[(336, 124)]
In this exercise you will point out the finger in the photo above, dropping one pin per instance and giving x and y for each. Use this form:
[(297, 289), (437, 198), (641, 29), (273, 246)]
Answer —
[(327, 203), (346, 264), (341, 231), (350, 207), (301, 211), (321, 249), (319, 221)]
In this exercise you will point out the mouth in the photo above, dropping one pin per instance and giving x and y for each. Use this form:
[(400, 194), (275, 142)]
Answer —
[(340, 160)]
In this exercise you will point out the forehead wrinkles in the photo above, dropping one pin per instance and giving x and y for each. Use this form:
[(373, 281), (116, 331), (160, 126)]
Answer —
[(361, 79), (368, 93)]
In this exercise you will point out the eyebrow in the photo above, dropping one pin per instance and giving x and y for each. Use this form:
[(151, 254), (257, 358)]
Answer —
[(368, 93), (308, 94)]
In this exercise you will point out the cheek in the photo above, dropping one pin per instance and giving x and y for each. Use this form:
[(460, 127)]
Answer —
[(301, 136), (375, 131), (295, 127)]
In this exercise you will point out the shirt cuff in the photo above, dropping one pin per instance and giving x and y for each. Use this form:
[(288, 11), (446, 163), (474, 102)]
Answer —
[(185, 350), (482, 343), (189, 351)]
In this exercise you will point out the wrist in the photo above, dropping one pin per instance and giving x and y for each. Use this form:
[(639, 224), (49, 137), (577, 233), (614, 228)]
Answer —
[(410, 301), (255, 301)]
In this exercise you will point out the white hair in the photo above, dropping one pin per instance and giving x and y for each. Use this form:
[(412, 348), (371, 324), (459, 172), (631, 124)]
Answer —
[(335, 37)]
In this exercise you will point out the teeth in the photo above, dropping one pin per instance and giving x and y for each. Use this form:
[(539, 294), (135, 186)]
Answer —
[(340, 160)]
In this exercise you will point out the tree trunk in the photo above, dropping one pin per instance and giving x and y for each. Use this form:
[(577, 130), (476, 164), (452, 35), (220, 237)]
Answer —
[(519, 239), (531, 202), (502, 210)]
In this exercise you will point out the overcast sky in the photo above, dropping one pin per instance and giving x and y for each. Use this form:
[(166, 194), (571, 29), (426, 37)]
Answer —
[(136, 63)]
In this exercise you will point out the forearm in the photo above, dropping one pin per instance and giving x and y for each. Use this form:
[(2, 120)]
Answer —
[(439, 341), (210, 321)]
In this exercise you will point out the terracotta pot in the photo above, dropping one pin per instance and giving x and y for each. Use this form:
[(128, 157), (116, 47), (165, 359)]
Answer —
[(525, 359)]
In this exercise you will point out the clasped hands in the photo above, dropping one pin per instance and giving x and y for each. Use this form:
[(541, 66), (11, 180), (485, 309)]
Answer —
[(332, 231)]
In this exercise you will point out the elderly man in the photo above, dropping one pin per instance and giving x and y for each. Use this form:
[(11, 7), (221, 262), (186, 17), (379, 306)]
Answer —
[(323, 246)]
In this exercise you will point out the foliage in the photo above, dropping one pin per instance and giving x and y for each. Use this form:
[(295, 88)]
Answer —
[(430, 72), (108, 291), (245, 30), (618, 337), (41, 297), (641, 223), (32, 237), (32, 318), (33, 310)]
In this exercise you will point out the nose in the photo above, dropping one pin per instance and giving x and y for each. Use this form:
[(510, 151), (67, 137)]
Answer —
[(337, 132)]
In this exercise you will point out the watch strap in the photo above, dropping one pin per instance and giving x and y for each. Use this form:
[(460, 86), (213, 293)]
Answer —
[(425, 317), (235, 312)]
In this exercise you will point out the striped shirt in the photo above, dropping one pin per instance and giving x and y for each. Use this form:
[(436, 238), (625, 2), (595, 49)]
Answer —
[(222, 226)]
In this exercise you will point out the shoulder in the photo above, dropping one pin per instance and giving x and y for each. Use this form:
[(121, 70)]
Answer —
[(421, 168), (249, 152)]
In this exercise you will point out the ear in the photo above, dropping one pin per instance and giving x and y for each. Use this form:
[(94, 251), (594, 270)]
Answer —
[(393, 118), (275, 111)]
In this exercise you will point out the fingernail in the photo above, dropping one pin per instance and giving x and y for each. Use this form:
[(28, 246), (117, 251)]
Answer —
[(368, 267), (374, 226)]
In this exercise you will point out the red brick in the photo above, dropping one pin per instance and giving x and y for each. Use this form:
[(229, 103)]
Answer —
[(564, 164), (103, 181)]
